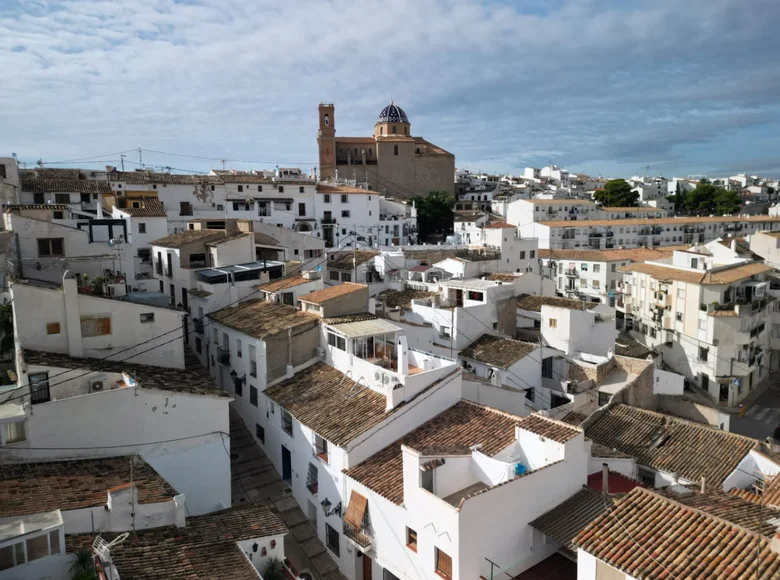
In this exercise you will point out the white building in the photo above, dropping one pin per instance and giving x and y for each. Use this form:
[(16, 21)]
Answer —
[(417, 507), (82, 196), (65, 321), (708, 316), (146, 221), (555, 174), (10, 184)]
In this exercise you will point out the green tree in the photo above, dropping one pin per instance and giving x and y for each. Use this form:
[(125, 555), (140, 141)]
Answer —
[(701, 199), (727, 202), (434, 214), (616, 193)]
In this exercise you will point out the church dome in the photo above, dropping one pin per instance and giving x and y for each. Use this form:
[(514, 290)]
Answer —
[(392, 113)]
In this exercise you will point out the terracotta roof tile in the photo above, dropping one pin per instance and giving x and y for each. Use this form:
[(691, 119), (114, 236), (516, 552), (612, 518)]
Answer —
[(330, 403), (346, 318), (260, 318), (150, 207), (205, 549), (463, 424), (497, 351), (29, 488), (39, 206), (718, 277), (284, 283), (65, 186), (180, 239), (692, 450), (732, 507), (402, 298), (196, 382), (534, 303), (558, 431), (51, 173), (499, 226), (339, 189), (566, 520), (561, 202), (631, 255), (343, 260), (649, 536), (499, 277), (320, 296), (148, 177)]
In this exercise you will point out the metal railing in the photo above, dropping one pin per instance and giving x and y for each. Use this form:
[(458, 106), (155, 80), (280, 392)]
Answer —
[(223, 355)]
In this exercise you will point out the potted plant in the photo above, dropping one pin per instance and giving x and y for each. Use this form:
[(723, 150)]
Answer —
[(273, 569), (83, 568)]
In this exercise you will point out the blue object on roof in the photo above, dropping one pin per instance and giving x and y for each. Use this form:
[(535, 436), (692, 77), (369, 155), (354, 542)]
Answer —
[(519, 469)]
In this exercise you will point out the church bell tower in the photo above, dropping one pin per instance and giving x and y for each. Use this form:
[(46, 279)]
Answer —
[(326, 140)]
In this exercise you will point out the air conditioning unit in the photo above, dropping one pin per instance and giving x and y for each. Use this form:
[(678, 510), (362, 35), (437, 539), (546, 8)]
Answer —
[(96, 385)]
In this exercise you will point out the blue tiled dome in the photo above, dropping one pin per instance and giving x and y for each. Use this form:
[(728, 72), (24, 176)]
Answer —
[(392, 113)]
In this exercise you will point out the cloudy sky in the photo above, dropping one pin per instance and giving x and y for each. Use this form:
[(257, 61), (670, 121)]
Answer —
[(605, 87)]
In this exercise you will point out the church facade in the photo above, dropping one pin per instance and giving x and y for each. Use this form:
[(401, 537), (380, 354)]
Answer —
[(392, 161)]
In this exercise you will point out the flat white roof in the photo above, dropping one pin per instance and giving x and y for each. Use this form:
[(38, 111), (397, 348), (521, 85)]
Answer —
[(14, 526), (472, 283), (365, 328)]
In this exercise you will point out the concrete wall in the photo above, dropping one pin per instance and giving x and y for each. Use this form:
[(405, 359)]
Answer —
[(351, 303)]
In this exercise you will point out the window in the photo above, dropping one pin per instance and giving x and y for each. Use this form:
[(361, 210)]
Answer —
[(240, 188), (312, 479), (239, 349), (61, 198), (253, 395), (334, 275), (344, 198), (50, 247), (395, 149), (326, 198), (345, 213), (321, 448), (252, 361), (287, 425), (704, 353), (443, 564), (260, 433), (13, 432), (3, 174), (584, 267), (583, 283), (141, 228), (411, 539), (53, 328), (426, 480), (147, 317), (185, 208), (552, 323), (37, 547), (522, 255), (445, 332), (96, 326), (54, 542), (38, 198), (613, 267), (596, 268), (646, 476), (595, 283), (547, 367), (198, 345), (679, 317), (281, 190), (300, 189), (197, 260), (238, 387), (477, 296), (288, 298), (532, 254), (332, 539), (346, 277), (337, 341)]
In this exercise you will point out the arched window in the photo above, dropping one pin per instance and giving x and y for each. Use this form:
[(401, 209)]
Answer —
[(381, 130), (395, 149), (417, 151), (327, 120), (395, 130)]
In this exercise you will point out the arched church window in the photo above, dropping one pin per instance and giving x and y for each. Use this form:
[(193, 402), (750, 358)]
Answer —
[(327, 120), (406, 130), (381, 130)]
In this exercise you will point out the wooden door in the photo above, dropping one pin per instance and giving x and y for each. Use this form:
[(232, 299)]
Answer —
[(366, 567)]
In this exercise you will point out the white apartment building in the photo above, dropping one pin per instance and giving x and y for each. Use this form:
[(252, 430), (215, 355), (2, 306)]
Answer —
[(555, 174), (65, 321), (80, 195), (146, 221), (634, 233), (417, 507), (593, 274), (64, 407), (578, 332), (709, 318)]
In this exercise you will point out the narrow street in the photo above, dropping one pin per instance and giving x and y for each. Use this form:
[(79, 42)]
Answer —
[(256, 481), (763, 415)]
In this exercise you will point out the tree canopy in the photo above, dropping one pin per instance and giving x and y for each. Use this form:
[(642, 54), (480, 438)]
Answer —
[(434, 214), (616, 193), (707, 199)]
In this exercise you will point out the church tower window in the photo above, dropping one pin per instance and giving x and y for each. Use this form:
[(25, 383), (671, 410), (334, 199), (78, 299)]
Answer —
[(394, 130), (381, 130)]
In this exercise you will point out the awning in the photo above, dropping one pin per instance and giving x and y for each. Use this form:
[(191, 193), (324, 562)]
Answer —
[(356, 510), (363, 328)]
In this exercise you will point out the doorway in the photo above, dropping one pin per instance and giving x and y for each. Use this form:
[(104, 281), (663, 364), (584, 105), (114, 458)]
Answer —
[(366, 567), (286, 466)]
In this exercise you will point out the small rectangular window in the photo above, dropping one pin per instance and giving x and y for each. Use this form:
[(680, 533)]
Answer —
[(141, 228), (53, 328), (443, 564), (532, 254), (37, 547), (62, 198), (260, 433), (281, 190), (332, 539), (253, 395), (13, 432), (344, 198), (522, 255), (96, 326), (345, 213), (287, 424), (312, 479), (552, 323), (239, 349), (346, 277), (50, 247), (326, 198), (147, 317), (426, 480), (334, 275), (54, 542), (411, 539), (300, 189)]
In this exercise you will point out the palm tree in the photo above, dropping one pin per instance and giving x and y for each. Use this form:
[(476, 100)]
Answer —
[(84, 566), (273, 569)]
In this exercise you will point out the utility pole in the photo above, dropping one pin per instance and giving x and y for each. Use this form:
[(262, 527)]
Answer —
[(223, 165), (140, 158), (122, 160)]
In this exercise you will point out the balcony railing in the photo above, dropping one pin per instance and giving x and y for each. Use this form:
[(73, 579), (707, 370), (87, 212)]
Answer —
[(223, 356)]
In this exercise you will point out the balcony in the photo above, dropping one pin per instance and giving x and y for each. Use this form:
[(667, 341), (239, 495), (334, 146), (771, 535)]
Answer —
[(223, 356)]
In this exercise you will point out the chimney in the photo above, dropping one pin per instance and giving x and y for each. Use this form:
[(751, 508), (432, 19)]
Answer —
[(734, 245), (703, 486), (604, 478)]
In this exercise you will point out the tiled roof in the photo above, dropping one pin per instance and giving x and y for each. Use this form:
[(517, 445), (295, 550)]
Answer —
[(265, 240), (284, 283), (692, 450), (65, 186), (632, 255), (51, 173), (499, 226), (322, 188), (320, 296), (228, 237), (498, 277), (733, 508), (677, 221), (330, 403), (649, 536), (260, 318), (188, 237), (558, 431), (497, 351), (628, 346), (150, 207), (420, 268), (597, 450), (534, 303), (205, 549), (566, 520), (725, 276), (343, 260), (198, 293), (467, 216), (574, 418), (347, 318), (147, 177), (402, 298), (770, 497), (723, 313), (463, 424), (196, 382), (29, 488), (560, 202)]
